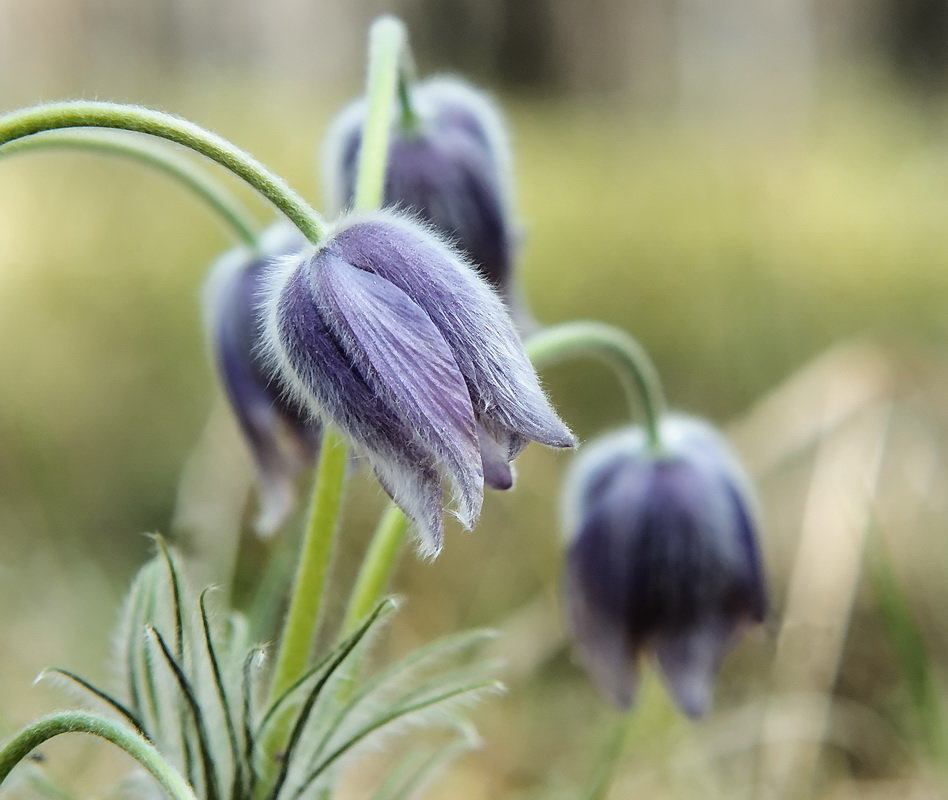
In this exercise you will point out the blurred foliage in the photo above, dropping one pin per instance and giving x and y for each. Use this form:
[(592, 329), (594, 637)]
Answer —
[(736, 251)]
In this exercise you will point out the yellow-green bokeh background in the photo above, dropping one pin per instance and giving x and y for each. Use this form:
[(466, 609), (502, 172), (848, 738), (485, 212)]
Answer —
[(737, 248)]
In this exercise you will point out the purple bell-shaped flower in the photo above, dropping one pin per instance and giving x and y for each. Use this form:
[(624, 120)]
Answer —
[(387, 333), (662, 559), (451, 169), (282, 435)]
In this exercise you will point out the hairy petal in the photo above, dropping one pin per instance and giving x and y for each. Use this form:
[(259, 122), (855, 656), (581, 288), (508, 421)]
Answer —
[(446, 180), (503, 385), (603, 644), (498, 473), (662, 557), (318, 371), (689, 661), (454, 173), (404, 358)]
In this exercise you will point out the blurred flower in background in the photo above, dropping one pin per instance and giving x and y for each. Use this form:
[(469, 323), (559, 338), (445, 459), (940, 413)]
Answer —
[(662, 559), (282, 435), (449, 165)]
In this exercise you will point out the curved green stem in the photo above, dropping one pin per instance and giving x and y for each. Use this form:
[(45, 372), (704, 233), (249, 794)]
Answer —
[(161, 158), (90, 114), (387, 40), (636, 370), (376, 567), (31, 737)]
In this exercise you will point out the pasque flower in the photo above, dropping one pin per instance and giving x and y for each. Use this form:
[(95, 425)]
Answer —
[(282, 435), (450, 167), (662, 559), (387, 333)]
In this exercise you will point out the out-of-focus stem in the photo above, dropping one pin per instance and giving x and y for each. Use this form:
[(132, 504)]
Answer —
[(91, 114), (387, 39), (162, 158)]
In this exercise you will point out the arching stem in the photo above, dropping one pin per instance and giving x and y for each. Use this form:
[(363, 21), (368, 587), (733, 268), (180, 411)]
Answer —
[(31, 737), (162, 158), (91, 114), (626, 356)]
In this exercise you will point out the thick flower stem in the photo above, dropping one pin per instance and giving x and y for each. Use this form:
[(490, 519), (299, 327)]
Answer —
[(633, 365), (20, 746), (376, 568), (302, 620), (301, 626), (90, 114), (162, 158), (386, 40)]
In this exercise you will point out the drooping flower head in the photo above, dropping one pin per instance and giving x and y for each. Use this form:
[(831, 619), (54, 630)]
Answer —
[(387, 333), (282, 435), (662, 559), (451, 170)]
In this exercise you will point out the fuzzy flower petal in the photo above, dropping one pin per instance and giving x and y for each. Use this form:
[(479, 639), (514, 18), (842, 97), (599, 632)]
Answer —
[(401, 354), (320, 373), (503, 385), (384, 332)]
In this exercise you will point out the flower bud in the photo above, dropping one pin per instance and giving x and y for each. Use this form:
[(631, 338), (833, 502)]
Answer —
[(662, 559), (452, 171), (282, 435), (385, 332)]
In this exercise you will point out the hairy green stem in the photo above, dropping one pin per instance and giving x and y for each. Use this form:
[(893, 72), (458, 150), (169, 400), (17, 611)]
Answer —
[(377, 566), (301, 626), (92, 114), (387, 39), (635, 369), (302, 619), (31, 737), (162, 158)]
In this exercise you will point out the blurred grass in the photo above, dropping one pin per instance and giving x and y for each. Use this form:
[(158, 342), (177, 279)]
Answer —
[(736, 253)]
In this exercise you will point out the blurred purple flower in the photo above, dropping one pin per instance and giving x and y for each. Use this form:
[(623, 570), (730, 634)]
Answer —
[(282, 435), (452, 172), (662, 558), (385, 332)]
